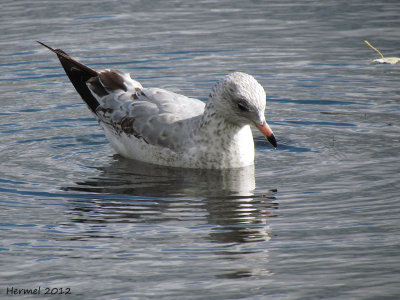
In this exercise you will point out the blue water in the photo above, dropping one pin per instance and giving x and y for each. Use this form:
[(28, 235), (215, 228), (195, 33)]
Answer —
[(317, 218)]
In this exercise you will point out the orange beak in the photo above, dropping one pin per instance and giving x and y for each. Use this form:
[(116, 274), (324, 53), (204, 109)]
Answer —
[(267, 132)]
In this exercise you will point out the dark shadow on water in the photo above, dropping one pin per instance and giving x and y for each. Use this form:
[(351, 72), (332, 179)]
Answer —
[(284, 144), (128, 191)]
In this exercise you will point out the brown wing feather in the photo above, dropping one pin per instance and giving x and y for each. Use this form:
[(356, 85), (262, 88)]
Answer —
[(112, 80)]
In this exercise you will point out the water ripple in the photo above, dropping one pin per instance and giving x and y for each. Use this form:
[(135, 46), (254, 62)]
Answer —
[(315, 218)]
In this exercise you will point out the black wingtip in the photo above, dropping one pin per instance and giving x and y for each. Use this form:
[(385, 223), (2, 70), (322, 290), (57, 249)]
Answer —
[(78, 74), (48, 47)]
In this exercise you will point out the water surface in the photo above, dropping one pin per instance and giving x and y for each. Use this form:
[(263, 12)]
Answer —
[(316, 218)]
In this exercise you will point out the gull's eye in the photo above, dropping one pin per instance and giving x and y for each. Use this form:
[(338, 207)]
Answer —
[(243, 107)]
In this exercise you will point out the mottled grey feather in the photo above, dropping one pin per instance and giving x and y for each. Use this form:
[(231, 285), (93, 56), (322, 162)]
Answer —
[(152, 114)]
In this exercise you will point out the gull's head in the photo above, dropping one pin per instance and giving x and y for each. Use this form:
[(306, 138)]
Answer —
[(241, 100)]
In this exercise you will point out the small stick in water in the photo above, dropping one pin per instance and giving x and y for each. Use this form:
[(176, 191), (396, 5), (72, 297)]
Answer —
[(374, 49), (383, 60)]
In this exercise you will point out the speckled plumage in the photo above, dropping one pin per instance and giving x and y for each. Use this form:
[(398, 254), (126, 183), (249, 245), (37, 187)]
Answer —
[(161, 127)]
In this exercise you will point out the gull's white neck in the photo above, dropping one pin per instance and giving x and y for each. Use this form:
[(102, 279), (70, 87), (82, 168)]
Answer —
[(231, 145)]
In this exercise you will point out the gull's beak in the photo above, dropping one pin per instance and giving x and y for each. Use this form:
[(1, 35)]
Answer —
[(267, 132)]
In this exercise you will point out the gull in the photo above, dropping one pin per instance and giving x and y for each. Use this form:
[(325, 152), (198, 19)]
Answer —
[(157, 126)]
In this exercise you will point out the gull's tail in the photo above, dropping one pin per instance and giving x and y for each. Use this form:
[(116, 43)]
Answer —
[(78, 74)]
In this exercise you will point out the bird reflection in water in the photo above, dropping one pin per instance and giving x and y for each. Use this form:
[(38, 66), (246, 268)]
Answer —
[(131, 191)]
